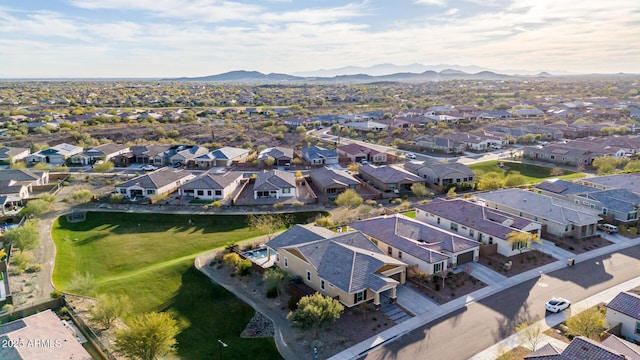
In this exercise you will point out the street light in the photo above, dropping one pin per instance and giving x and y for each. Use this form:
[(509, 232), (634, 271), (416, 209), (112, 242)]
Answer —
[(221, 345)]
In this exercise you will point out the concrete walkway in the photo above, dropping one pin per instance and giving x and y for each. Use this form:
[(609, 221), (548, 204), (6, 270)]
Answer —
[(485, 274), (414, 301), (550, 248), (433, 314)]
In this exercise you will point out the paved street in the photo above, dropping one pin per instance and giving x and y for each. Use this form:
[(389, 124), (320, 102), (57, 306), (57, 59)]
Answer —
[(470, 329)]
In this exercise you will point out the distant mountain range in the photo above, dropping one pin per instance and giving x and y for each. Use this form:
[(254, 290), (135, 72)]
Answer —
[(243, 76), (380, 73)]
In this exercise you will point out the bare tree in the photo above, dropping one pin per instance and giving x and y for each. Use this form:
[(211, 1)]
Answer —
[(530, 333)]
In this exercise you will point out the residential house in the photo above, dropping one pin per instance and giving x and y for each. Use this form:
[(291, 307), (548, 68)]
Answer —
[(10, 155), (163, 181), (441, 144), (225, 156), (104, 152), (388, 178), (357, 153), (17, 185), (274, 184), (618, 206), (180, 155), (436, 119), (212, 186), (582, 348), (332, 182), (345, 266), (629, 181), (527, 113), (306, 122), (441, 174), (429, 248), (559, 218), (41, 336), (56, 155), (366, 126), (141, 154), (485, 225), (624, 310), (476, 141), (281, 156), (316, 155)]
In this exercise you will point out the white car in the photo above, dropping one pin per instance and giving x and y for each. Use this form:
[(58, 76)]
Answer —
[(557, 304), (411, 155), (149, 167)]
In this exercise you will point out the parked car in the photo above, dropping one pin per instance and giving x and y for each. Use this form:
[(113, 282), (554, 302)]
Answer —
[(608, 228), (411, 155), (149, 167), (557, 304)]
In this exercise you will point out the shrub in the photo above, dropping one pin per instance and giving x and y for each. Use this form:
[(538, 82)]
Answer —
[(298, 204), (216, 204), (231, 259), (7, 308), (278, 206), (272, 292), (34, 268), (243, 268), (292, 305), (116, 198)]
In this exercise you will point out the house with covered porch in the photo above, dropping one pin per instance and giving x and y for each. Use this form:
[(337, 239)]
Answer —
[(345, 266), (163, 181)]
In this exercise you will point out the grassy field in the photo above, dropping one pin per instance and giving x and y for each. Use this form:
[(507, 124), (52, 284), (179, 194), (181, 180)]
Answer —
[(149, 257), (533, 173)]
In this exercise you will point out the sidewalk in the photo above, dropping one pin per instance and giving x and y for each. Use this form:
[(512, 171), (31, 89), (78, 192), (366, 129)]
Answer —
[(555, 319), (395, 332)]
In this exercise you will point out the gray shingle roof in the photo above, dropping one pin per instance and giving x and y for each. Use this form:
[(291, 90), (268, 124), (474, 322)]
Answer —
[(274, 180), (21, 174), (315, 152), (8, 152), (626, 303), (490, 221), (229, 153), (277, 152), (580, 348), (630, 182), (542, 206), (324, 177), (388, 174), (299, 234), (157, 179), (563, 187), (423, 241), (210, 180), (628, 349)]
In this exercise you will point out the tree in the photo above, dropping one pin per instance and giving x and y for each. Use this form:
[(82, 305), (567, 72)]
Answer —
[(531, 333), (490, 181), (514, 180), (604, 164), (353, 167), (301, 130), (110, 307), (452, 193), (37, 207), (150, 336), (315, 311), (103, 167), (556, 171), (269, 223), (82, 196), (522, 240), (589, 323), (25, 237), (276, 278), (418, 189), (349, 199)]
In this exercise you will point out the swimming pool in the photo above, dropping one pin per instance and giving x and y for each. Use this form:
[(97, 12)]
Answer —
[(258, 254)]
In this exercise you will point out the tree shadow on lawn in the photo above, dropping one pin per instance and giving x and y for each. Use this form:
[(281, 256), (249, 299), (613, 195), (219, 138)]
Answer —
[(207, 312)]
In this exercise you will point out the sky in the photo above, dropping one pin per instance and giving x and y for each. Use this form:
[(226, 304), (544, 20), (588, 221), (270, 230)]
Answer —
[(173, 38)]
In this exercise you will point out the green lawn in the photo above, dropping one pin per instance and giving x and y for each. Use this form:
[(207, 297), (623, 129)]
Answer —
[(533, 173), (149, 257)]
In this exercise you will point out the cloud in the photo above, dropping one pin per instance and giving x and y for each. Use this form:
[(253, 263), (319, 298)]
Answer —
[(432, 2)]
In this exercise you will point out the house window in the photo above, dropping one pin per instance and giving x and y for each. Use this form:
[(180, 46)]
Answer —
[(200, 192), (400, 255), (286, 262), (308, 275), (208, 192), (322, 284), (605, 211), (518, 245), (454, 226), (471, 233), (277, 257), (123, 191), (637, 327), (218, 192), (359, 296), (438, 220), (389, 250), (490, 240), (437, 267), (632, 215), (286, 191)]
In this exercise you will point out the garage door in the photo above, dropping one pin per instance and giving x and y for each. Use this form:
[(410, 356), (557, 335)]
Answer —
[(465, 258)]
